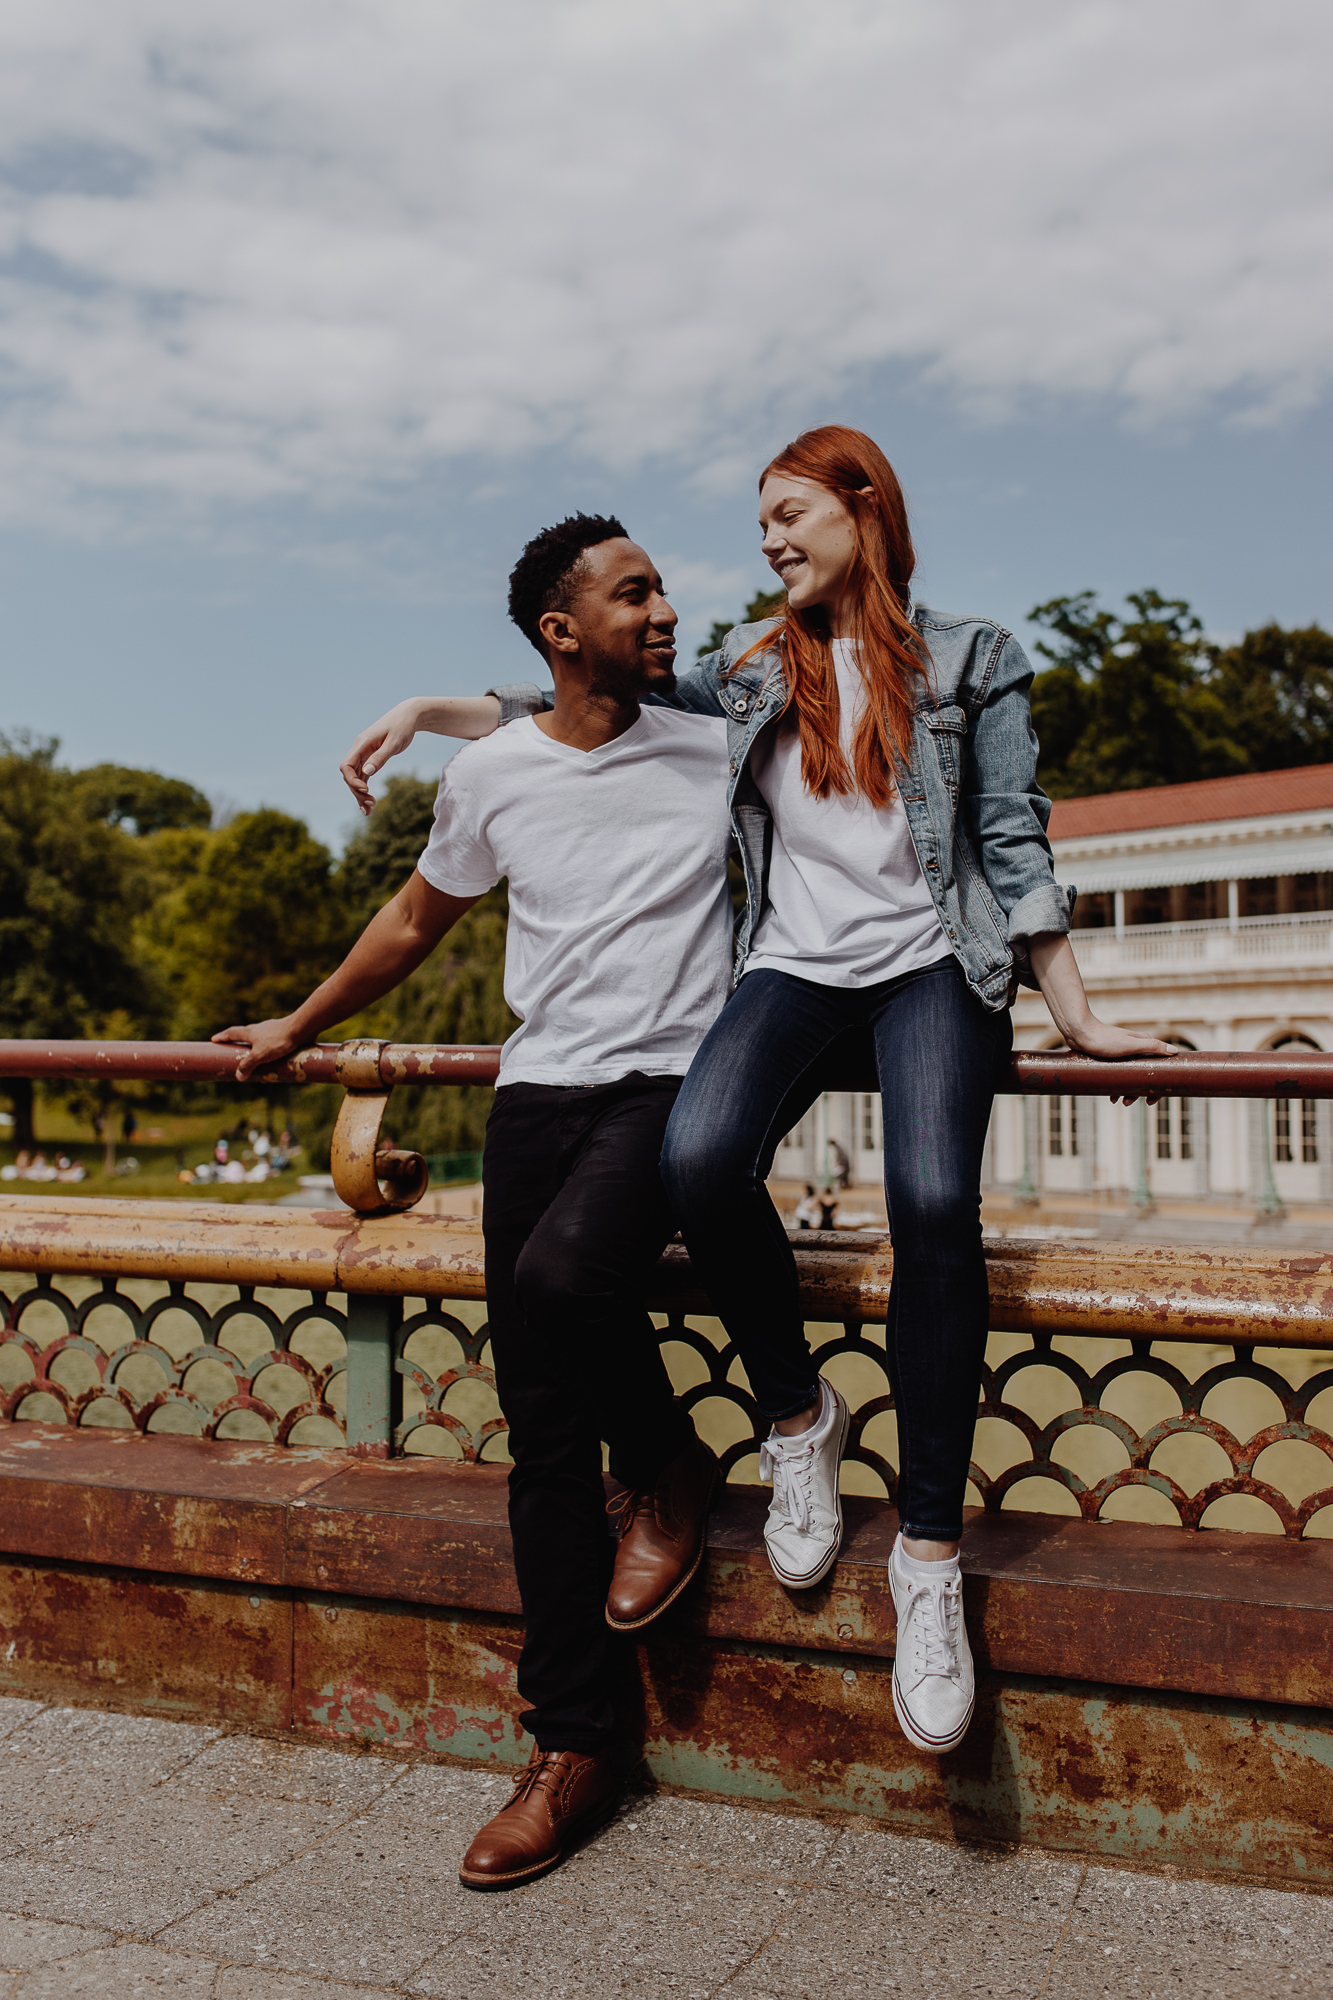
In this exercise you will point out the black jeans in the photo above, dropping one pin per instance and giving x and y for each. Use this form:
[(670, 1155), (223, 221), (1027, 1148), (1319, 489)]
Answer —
[(938, 1051), (575, 1217)]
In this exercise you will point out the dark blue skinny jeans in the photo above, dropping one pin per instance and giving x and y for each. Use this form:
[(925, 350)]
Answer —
[(938, 1051)]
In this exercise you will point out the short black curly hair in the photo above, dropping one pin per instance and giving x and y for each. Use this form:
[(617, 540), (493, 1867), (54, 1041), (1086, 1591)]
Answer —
[(543, 578)]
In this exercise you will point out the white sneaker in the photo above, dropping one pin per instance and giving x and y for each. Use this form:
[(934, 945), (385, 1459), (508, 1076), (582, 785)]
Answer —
[(934, 1687), (803, 1531)]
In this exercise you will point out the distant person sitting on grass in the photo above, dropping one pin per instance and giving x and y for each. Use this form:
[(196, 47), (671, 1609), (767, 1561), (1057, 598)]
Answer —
[(806, 1212), (610, 821)]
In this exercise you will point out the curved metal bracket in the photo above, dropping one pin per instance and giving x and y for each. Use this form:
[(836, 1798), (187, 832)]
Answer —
[(360, 1166)]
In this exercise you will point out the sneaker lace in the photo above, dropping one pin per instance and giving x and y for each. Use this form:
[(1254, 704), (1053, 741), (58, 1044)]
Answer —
[(935, 1629), (789, 1470)]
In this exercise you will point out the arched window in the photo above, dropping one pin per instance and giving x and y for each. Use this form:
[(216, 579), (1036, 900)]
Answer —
[(1175, 1119), (1062, 1128), (1295, 1133)]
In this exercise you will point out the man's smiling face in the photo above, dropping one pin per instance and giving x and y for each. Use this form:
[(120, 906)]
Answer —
[(624, 627)]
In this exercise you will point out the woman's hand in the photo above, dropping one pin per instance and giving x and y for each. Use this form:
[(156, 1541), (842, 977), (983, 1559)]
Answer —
[(388, 737), (1099, 1038), (1062, 988), (465, 716)]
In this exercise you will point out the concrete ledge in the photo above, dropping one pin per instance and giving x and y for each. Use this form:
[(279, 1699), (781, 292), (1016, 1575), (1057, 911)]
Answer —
[(1209, 1785), (1142, 1691)]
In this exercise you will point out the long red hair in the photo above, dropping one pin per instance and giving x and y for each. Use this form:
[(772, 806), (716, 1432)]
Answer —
[(888, 648)]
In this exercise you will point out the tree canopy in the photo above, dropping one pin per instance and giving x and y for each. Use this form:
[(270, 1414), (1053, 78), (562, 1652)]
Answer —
[(1128, 701), (257, 920), (139, 801), (70, 890), (1146, 699), (764, 604), (1278, 687), (456, 996)]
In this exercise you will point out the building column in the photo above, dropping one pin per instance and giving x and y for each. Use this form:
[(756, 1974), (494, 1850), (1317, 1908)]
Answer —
[(1228, 1149), (1085, 1110), (1201, 1139)]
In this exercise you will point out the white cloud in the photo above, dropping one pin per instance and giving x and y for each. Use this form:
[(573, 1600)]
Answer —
[(251, 252)]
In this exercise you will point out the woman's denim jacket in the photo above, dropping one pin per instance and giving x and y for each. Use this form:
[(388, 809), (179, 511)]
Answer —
[(976, 813)]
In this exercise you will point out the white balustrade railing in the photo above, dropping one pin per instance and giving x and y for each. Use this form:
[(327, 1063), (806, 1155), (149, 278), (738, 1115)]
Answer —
[(1303, 939)]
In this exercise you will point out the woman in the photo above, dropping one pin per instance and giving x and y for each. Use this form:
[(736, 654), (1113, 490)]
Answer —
[(899, 887)]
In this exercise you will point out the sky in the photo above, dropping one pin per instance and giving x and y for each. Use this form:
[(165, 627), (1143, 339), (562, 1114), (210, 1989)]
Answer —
[(310, 316)]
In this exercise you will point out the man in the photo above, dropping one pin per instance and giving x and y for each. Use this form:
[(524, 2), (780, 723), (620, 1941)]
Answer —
[(610, 821)]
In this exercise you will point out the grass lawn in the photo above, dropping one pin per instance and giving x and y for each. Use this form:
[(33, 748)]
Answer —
[(156, 1146)]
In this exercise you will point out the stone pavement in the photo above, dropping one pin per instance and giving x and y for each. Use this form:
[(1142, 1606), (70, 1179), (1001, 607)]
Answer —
[(165, 1861)]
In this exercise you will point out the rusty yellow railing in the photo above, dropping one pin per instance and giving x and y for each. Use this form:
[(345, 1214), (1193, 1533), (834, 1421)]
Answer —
[(1192, 1380)]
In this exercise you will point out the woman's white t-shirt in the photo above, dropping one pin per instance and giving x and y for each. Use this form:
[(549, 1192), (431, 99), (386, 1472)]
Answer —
[(618, 956), (847, 902)]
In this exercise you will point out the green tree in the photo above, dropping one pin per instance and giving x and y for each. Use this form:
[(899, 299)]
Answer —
[(70, 889), (386, 847), (1127, 702), (256, 920), (456, 996), (141, 802), (764, 604), (1278, 688)]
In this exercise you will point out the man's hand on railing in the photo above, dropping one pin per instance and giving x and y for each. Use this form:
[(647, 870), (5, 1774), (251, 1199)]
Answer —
[(461, 715), (265, 1042)]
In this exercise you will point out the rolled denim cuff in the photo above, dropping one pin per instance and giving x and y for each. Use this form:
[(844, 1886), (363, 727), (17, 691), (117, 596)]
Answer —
[(1048, 908), (520, 698)]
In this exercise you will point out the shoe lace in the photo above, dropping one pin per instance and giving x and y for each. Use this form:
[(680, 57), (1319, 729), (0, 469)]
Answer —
[(543, 1771), (789, 1470), (624, 1508), (935, 1629)]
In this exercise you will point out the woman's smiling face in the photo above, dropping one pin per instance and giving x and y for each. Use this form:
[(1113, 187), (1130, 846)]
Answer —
[(809, 540)]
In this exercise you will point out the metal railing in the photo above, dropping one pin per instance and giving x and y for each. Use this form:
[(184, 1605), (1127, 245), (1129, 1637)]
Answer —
[(1195, 1389), (374, 1179)]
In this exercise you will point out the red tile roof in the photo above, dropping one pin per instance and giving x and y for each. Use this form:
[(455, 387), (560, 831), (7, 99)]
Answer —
[(1255, 796)]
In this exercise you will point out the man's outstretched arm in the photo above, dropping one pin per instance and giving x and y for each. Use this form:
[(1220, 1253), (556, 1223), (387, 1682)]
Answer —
[(467, 716), (394, 943)]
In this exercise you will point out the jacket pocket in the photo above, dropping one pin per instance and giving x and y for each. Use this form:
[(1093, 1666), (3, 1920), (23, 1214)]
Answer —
[(948, 731)]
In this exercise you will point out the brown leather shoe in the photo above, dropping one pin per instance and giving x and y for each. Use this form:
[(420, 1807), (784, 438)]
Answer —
[(661, 1538), (559, 1798)]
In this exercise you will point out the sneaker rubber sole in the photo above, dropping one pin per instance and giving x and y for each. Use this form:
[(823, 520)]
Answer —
[(808, 1581), (936, 1746)]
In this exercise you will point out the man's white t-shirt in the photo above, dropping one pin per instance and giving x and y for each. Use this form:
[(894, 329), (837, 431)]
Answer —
[(619, 947), (847, 902)]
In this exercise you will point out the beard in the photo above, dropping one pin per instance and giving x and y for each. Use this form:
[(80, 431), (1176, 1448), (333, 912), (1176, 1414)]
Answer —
[(613, 681)]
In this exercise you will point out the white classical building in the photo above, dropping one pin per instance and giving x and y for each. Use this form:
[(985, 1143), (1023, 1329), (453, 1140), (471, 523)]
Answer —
[(1204, 915)]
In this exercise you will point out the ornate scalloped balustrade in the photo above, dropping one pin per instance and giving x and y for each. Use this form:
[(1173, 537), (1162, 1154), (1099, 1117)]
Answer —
[(1121, 1382)]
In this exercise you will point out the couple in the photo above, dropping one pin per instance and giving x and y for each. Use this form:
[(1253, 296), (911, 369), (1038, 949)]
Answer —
[(873, 763)]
